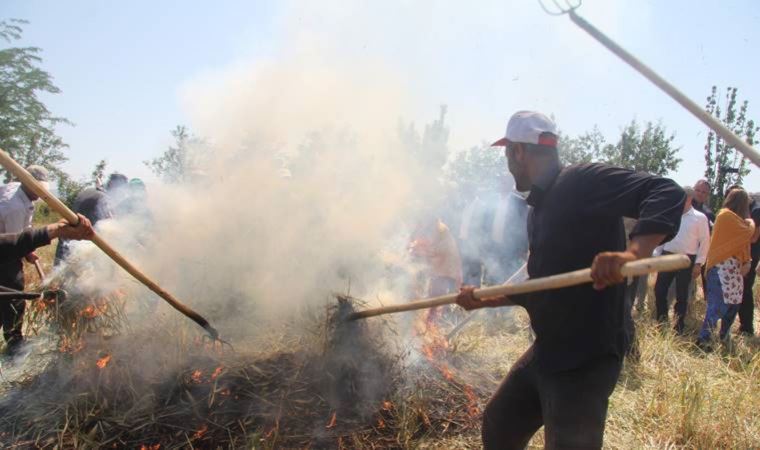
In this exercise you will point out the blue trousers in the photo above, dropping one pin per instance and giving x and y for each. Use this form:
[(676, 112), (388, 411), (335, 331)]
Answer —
[(717, 309)]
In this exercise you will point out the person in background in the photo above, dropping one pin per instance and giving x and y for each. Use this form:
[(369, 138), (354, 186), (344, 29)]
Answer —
[(747, 308), (494, 242), (433, 245), (701, 197), (728, 259), (16, 212), (96, 203), (693, 240)]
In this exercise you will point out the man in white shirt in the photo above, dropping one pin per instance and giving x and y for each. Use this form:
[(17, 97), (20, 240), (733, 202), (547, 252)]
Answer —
[(693, 240), (16, 211)]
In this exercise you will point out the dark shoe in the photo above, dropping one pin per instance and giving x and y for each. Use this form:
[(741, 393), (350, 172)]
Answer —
[(704, 346), (746, 333)]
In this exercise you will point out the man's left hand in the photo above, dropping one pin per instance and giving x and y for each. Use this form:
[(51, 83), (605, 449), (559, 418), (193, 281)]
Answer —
[(605, 270), (31, 258)]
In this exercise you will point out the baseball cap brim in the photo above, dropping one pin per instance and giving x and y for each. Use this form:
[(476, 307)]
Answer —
[(501, 142)]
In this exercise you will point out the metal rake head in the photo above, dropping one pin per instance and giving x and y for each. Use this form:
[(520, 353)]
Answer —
[(556, 8)]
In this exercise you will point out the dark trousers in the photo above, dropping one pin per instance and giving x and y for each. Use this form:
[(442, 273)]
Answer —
[(571, 405), (12, 311), (747, 308), (661, 286)]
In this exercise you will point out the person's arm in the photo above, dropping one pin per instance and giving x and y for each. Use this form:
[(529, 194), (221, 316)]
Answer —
[(704, 246), (64, 230), (14, 246), (18, 245), (755, 213), (656, 202)]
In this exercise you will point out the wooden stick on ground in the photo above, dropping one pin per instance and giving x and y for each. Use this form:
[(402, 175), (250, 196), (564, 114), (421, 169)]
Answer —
[(28, 180), (644, 266)]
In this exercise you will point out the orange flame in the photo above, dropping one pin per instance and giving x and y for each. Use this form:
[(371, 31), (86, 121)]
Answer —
[(103, 362), (201, 431), (196, 376), (434, 347), (333, 421), (217, 372), (387, 405), (150, 447), (380, 424)]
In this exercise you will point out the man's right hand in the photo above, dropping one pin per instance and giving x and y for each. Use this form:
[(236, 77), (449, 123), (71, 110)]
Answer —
[(466, 299), (63, 229)]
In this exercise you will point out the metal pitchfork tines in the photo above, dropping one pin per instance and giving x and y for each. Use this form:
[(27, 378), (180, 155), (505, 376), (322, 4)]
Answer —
[(560, 10), (721, 130)]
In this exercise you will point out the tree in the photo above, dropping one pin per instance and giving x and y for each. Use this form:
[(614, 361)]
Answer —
[(27, 127), (479, 169), (585, 148), (69, 188), (430, 149), (178, 162), (99, 173), (649, 150), (724, 166)]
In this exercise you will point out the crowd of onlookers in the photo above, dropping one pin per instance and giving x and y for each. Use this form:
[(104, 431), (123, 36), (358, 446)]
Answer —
[(488, 244)]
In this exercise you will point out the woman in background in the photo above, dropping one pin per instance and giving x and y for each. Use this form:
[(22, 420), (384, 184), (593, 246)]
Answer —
[(728, 260)]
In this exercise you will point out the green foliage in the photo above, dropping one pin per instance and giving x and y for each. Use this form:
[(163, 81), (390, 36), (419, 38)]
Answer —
[(649, 150), (27, 127), (479, 169), (724, 166), (178, 163), (431, 148), (98, 173), (585, 148), (68, 188)]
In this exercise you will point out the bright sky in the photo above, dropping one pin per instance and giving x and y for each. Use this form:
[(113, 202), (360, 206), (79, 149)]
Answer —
[(125, 67)]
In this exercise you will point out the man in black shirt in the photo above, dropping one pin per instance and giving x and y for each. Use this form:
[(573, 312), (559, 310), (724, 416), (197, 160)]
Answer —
[(564, 380)]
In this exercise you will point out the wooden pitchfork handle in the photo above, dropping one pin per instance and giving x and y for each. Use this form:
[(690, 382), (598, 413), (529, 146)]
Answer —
[(644, 266), (30, 183)]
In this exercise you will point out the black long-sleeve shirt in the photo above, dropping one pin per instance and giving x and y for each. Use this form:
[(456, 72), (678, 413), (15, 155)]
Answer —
[(577, 213), (14, 246)]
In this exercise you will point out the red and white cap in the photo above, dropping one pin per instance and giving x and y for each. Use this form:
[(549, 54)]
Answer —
[(530, 127)]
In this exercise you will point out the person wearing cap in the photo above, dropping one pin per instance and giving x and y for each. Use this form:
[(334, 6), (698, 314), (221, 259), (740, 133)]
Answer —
[(16, 212), (693, 240), (563, 381)]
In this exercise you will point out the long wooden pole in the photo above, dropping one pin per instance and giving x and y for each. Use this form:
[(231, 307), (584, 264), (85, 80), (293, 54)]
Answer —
[(644, 266), (734, 140), (28, 180)]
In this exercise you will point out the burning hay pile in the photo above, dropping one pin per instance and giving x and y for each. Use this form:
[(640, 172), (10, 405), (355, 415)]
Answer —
[(319, 382)]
